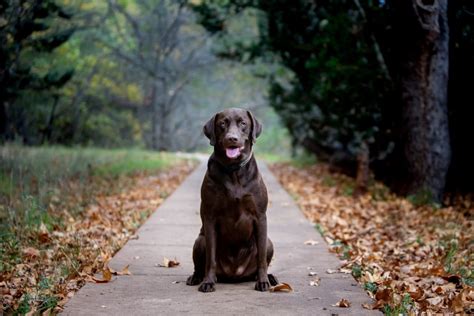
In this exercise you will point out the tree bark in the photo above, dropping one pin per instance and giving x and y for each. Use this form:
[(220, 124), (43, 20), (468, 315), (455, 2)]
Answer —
[(424, 84), (154, 117), (48, 130), (3, 121), (363, 170)]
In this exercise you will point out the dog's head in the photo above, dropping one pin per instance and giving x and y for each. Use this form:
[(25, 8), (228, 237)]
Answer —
[(232, 132)]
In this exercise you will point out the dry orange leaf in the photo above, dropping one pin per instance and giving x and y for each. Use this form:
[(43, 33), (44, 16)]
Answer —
[(124, 271), (106, 276), (342, 303), (282, 287)]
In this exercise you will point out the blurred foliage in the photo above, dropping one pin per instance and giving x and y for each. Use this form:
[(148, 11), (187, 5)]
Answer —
[(29, 32), (335, 75), (118, 73)]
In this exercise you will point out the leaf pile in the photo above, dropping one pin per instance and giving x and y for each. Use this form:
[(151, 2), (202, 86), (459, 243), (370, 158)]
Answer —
[(54, 263), (409, 258)]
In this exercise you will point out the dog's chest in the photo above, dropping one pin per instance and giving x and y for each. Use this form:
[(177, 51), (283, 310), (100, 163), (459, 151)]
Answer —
[(238, 217)]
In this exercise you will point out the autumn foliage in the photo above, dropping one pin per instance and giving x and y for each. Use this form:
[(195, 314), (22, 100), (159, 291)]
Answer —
[(409, 258)]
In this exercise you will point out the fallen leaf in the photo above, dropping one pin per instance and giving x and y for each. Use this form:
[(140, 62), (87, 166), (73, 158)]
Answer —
[(282, 287), (457, 304), (435, 300), (124, 271), (311, 242), (383, 295), (106, 276), (167, 263), (43, 234), (375, 305), (315, 282), (31, 252), (342, 303), (331, 271)]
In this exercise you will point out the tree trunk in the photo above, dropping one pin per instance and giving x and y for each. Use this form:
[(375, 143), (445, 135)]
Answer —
[(363, 170), (3, 121), (424, 83), (154, 117), (48, 130)]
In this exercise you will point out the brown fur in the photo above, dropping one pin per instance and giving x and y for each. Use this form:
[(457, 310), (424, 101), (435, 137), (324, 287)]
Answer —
[(232, 245)]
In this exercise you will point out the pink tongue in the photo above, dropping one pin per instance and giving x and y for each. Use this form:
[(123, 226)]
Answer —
[(232, 152)]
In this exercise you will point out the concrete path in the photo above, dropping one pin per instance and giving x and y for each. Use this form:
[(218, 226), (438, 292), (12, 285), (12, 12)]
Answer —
[(171, 231)]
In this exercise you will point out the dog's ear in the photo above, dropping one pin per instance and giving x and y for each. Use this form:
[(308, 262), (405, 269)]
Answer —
[(256, 127), (210, 131)]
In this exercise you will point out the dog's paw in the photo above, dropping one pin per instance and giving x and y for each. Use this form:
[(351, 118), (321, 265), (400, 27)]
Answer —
[(262, 286), (207, 287), (273, 279), (193, 280)]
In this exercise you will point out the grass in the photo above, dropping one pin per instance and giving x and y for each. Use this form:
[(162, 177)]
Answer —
[(403, 308), (39, 184), (33, 178), (300, 160)]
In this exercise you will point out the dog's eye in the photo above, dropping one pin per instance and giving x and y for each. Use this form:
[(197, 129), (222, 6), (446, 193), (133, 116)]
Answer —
[(243, 124), (222, 124)]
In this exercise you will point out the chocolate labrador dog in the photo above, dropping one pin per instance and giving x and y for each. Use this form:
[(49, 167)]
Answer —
[(232, 245)]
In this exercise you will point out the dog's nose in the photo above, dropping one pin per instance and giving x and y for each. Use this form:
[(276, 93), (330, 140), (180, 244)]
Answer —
[(232, 138)]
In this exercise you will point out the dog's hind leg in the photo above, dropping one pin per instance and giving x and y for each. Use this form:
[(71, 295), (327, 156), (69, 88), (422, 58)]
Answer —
[(199, 258), (271, 278)]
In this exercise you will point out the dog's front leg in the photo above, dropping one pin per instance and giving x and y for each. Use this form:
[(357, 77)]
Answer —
[(209, 282), (263, 283)]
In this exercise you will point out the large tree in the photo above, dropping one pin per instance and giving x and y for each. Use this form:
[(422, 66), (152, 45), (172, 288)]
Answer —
[(156, 43), (27, 30), (424, 59)]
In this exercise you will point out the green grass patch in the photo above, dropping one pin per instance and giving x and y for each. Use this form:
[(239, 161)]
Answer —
[(329, 181), (423, 197), (300, 160), (37, 182), (271, 158), (403, 308), (128, 162), (304, 159), (320, 229), (371, 287), (356, 271)]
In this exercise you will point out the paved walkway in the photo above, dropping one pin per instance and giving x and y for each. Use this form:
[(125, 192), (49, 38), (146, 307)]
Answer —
[(171, 231)]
